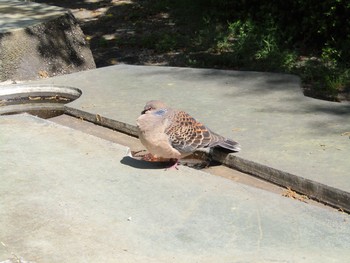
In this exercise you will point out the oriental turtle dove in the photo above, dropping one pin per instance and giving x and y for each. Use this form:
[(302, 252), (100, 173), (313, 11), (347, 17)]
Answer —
[(170, 133)]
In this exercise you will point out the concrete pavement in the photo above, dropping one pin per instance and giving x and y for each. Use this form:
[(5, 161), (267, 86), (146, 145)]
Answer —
[(67, 196), (286, 138)]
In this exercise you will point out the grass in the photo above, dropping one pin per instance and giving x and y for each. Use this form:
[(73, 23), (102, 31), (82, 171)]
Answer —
[(248, 47)]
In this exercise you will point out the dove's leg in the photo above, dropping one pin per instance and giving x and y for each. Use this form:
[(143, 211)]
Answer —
[(136, 153), (149, 157)]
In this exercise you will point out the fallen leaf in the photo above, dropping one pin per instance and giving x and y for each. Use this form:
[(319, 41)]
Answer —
[(35, 98), (43, 74), (56, 97), (294, 195)]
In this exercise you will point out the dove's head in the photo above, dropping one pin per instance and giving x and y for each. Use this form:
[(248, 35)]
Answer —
[(153, 105)]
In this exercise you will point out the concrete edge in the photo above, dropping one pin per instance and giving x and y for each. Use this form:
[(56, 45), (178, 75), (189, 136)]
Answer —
[(317, 191), (26, 90), (314, 190), (103, 121)]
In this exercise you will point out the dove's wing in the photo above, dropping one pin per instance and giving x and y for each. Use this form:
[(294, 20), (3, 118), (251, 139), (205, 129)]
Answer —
[(186, 134)]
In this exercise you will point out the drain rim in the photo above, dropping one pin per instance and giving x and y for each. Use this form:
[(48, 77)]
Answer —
[(42, 100), (10, 91)]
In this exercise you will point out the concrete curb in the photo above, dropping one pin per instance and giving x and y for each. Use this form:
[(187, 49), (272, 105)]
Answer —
[(314, 190)]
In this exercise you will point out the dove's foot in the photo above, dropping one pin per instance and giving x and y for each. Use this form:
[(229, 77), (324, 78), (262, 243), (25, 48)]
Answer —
[(174, 164), (136, 153), (148, 157)]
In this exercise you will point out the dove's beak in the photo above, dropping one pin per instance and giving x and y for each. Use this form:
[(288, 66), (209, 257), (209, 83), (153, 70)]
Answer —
[(145, 110)]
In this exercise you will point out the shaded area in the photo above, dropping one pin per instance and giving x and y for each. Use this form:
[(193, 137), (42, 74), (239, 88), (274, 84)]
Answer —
[(208, 34), (150, 32), (140, 164), (59, 41)]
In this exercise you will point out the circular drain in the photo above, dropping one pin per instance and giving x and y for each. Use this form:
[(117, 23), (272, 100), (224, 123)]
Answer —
[(44, 101)]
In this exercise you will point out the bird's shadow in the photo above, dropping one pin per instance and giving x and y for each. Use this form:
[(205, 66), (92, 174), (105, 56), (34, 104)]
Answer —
[(141, 164)]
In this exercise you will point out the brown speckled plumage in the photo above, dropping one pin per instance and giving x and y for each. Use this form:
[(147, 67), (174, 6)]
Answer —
[(170, 133)]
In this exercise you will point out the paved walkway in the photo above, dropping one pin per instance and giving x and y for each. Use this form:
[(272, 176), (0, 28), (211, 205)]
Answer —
[(71, 197), (286, 137)]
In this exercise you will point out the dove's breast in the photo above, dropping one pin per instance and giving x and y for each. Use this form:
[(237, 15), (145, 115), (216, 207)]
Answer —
[(152, 135)]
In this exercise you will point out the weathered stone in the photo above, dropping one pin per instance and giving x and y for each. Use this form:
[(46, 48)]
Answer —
[(39, 41)]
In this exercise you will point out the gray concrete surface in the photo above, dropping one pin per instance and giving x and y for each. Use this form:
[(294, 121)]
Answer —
[(135, 145), (67, 196), (286, 137), (215, 168), (39, 41)]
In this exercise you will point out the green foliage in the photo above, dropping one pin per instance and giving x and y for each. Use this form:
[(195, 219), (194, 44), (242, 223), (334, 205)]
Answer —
[(276, 36), (166, 42)]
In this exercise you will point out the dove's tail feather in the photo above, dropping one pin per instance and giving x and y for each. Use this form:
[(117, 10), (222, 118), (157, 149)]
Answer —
[(230, 145), (220, 141)]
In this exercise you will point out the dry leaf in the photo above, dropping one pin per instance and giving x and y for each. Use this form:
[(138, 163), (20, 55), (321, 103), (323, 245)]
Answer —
[(34, 98), (294, 195), (43, 74)]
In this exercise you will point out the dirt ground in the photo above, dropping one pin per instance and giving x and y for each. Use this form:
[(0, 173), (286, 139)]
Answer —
[(125, 31)]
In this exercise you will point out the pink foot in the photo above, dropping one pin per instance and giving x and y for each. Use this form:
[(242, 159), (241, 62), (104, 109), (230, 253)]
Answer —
[(173, 166)]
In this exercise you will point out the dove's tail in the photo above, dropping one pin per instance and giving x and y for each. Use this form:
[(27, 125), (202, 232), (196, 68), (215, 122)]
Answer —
[(220, 141), (229, 145)]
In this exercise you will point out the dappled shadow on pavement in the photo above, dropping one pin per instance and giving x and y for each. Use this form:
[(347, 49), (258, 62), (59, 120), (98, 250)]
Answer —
[(140, 32)]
